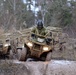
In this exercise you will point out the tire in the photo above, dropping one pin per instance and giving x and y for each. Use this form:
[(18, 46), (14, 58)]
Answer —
[(10, 54), (13, 46), (48, 57), (21, 54)]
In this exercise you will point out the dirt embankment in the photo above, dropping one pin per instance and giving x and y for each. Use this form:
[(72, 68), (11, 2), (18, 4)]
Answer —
[(54, 67)]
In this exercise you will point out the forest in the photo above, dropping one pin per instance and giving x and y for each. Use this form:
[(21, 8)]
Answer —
[(21, 14)]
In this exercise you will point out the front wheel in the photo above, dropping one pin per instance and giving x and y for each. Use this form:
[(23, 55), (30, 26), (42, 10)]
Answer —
[(21, 54), (48, 57), (11, 54)]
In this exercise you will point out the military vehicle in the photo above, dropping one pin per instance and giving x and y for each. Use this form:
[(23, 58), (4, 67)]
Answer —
[(38, 47), (4, 46)]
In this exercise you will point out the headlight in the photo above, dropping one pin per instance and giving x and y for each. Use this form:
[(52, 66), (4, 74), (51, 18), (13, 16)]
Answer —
[(6, 45), (30, 44), (23, 46), (45, 48)]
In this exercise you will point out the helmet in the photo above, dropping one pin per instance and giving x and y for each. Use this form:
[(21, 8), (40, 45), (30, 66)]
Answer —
[(39, 24)]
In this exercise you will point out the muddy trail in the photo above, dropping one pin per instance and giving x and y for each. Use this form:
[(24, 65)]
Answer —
[(54, 67)]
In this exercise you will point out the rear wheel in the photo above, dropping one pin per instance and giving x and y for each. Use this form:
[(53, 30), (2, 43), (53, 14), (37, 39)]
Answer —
[(48, 57), (21, 54)]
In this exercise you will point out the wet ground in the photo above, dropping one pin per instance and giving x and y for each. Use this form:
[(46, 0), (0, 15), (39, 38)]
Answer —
[(54, 67)]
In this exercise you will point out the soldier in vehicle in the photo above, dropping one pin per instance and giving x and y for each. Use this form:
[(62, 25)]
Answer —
[(40, 29)]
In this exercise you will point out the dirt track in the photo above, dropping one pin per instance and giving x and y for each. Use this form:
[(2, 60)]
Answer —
[(54, 67)]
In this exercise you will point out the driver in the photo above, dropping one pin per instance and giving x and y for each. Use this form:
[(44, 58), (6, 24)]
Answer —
[(39, 29)]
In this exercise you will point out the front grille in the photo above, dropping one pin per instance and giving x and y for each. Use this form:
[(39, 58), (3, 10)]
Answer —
[(37, 47)]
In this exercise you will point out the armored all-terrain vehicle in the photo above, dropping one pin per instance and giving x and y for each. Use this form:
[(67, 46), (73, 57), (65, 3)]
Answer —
[(38, 47)]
